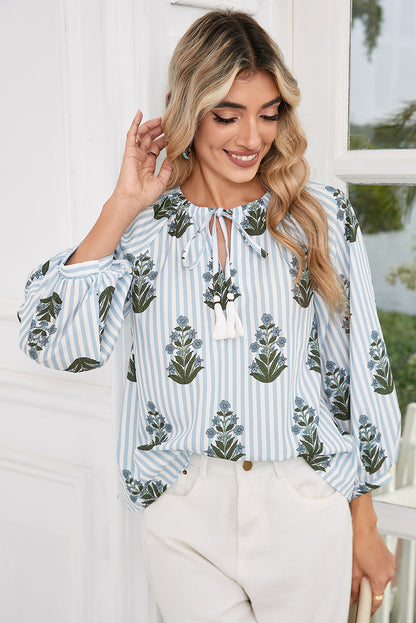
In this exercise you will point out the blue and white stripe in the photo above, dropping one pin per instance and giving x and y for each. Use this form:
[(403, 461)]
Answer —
[(266, 287)]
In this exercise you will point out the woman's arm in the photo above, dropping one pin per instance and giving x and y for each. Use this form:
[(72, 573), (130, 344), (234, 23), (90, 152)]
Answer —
[(371, 558), (137, 187), (73, 309)]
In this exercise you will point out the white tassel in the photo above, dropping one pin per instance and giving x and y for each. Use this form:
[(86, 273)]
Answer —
[(234, 325), (220, 329)]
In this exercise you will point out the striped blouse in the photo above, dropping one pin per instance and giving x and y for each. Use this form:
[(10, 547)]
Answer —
[(237, 363)]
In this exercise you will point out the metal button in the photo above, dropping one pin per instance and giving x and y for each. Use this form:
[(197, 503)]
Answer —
[(247, 465), (184, 472)]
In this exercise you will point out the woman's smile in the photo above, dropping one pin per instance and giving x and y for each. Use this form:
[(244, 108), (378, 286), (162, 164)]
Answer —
[(242, 159)]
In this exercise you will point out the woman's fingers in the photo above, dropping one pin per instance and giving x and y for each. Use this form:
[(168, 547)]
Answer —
[(132, 132), (355, 585), (156, 146), (165, 171), (151, 129)]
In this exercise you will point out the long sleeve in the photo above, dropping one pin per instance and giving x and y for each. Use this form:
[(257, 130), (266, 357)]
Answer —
[(357, 382), (72, 315)]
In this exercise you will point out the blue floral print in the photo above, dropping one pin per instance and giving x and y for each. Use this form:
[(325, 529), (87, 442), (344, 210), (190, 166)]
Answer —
[(220, 286), (146, 491), (372, 454), (143, 292), (337, 383), (43, 327), (104, 302), (305, 427), (254, 222), (303, 292), (269, 363), (314, 357), (380, 366), (185, 364), (345, 213), (226, 431), (156, 426), (131, 372), (174, 205)]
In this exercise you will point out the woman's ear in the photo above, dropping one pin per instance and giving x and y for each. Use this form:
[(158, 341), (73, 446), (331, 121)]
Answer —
[(168, 97)]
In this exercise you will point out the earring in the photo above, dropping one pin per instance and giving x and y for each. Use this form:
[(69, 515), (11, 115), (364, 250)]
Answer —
[(187, 152)]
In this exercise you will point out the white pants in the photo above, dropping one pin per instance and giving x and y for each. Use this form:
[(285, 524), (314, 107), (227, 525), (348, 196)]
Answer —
[(269, 545)]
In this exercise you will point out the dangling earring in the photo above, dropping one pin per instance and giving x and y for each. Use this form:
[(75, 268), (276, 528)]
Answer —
[(187, 153)]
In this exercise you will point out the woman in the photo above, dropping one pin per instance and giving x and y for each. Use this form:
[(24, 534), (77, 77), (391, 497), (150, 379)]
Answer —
[(259, 411)]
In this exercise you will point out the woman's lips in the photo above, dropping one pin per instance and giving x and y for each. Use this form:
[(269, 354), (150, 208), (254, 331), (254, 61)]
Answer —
[(242, 160)]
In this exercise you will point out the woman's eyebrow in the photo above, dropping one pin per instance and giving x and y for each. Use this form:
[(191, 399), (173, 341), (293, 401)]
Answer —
[(226, 104)]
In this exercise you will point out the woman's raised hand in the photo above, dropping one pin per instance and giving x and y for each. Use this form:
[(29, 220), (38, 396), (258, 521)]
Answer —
[(137, 187), (137, 182)]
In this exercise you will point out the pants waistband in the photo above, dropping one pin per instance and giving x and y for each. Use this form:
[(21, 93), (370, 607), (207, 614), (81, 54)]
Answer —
[(206, 464)]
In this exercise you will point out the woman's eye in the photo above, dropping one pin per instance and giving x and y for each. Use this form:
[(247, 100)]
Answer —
[(271, 117), (222, 119)]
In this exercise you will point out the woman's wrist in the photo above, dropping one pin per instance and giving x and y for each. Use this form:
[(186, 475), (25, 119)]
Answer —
[(116, 215), (363, 513)]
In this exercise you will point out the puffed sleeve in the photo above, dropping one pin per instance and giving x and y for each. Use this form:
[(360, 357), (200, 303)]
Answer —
[(357, 382), (72, 315)]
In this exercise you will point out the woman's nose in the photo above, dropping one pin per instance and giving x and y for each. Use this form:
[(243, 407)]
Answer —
[(248, 135)]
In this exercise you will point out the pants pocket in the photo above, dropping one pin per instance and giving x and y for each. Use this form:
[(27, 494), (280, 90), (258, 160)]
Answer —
[(303, 479), (186, 480)]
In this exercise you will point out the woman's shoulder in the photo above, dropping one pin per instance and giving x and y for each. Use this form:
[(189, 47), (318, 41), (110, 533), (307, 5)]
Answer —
[(342, 221), (151, 221), (329, 196)]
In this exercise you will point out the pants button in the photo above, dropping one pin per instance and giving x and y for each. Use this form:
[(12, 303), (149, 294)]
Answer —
[(247, 465)]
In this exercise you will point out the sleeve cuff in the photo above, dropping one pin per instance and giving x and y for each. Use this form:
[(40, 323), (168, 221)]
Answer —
[(91, 267), (371, 483)]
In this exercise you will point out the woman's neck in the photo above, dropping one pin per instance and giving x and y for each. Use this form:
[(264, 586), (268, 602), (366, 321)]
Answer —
[(204, 190)]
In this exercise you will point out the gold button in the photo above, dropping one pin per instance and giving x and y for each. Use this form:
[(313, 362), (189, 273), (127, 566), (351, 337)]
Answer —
[(184, 472), (247, 465)]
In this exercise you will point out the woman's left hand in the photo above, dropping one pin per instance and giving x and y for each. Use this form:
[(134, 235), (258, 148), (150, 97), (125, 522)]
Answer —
[(371, 557)]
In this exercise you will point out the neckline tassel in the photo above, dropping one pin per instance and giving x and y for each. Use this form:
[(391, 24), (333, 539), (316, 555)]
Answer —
[(234, 325), (220, 329)]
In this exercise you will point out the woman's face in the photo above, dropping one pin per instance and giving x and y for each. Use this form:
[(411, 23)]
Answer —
[(233, 137)]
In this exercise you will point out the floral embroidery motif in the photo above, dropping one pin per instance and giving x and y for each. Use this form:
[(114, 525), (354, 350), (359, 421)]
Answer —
[(270, 362), (314, 357), (310, 446), (220, 286), (174, 205), (347, 312), (143, 292), (147, 491), (337, 382), (82, 364), (38, 274), (131, 372), (225, 430), (43, 327), (380, 366), (185, 364), (156, 426), (366, 487), (303, 292), (372, 454), (254, 222), (104, 303), (345, 213)]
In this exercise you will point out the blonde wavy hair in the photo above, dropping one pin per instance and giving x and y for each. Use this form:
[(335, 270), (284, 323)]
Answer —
[(215, 49)]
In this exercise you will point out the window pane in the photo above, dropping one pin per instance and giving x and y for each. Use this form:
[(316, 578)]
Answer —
[(383, 66)]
